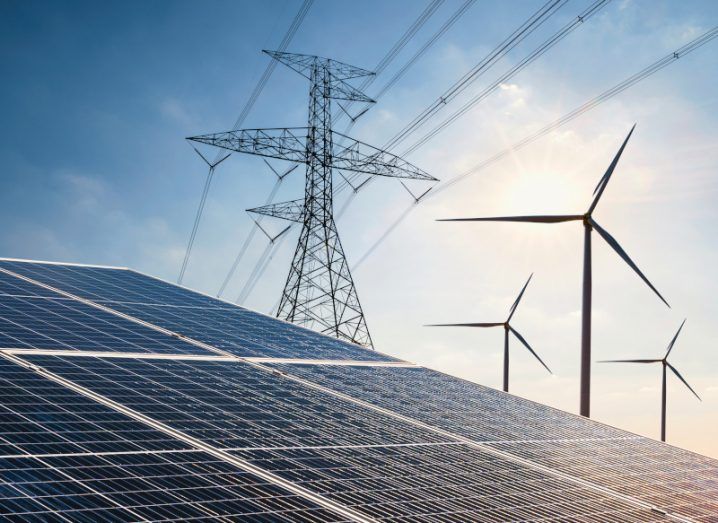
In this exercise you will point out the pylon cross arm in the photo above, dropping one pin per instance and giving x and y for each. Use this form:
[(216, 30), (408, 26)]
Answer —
[(292, 211), (290, 144), (303, 64), (282, 143)]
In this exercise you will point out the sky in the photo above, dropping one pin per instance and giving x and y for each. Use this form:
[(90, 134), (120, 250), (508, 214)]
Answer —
[(98, 97)]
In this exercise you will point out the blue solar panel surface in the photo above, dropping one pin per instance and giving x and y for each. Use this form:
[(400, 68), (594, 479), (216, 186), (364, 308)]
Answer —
[(174, 486), (66, 457), (246, 333), (225, 326), (109, 284), (233, 404), (447, 483), (47, 323), (390, 443), (38, 416), (671, 479)]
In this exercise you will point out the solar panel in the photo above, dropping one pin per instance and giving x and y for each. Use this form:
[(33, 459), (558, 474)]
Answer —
[(108, 284), (110, 412), (38, 416), (228, 327), (232, 404), (66, 457), (245, 333), (453, 404), (669, 478), (449, 483)]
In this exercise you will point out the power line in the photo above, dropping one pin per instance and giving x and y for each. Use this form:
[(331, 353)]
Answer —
[(510, 42), (545, 46), (524, 30), (656, 66), (255, 226), (409, 63), (294, 26), (395, 50)]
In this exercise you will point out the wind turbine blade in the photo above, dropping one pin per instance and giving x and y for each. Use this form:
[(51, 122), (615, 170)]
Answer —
[(616, 247), (527, 219), (629, 361), (607, 175), (516, 303), (522, 340), (673, 341), (464, 325), (678, 374)]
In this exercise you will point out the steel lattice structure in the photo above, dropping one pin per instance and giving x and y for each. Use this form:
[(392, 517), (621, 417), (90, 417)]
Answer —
[(319, 292)]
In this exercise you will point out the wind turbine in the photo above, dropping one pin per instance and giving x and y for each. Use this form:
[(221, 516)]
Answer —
[(666, 365), (507, 329), (589, 224)]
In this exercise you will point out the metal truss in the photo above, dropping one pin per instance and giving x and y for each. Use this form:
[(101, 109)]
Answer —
[(319, 292), (292, 211), (290, 143)]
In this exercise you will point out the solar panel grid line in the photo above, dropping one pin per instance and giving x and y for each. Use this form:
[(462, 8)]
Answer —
[(320, 500), (30, 387), (229, 449), (88, 488), (65, 418), (249, 334), (197, 357), (363, 386), (71, 264), (439, 488)]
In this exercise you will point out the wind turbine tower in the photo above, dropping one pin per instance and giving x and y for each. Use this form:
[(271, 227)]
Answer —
[(508, 329)]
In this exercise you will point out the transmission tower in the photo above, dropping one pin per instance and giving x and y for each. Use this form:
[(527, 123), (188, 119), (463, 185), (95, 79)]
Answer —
[(319, 292)]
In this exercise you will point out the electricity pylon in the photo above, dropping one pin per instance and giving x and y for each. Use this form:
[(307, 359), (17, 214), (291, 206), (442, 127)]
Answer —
[(319, 292)]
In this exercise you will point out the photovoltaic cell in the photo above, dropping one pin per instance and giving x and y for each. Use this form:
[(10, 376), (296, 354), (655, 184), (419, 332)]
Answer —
[(65, 457), (232, 404), (442, 483), (38, 416), (245, 333), (176, 486), (46, 323)]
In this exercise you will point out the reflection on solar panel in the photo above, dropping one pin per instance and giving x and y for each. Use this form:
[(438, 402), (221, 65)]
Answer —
[(125, 398)]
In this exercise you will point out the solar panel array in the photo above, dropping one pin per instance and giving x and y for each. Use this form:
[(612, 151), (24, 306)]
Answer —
[(126, 398)]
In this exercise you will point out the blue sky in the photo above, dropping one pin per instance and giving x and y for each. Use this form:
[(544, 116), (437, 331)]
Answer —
[(98, 97)]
